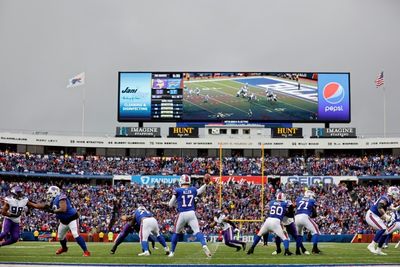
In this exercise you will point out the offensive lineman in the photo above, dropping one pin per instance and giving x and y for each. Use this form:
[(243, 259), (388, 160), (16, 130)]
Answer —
[(278, 209), (184, 197), (68, 216), (305, 211), (376, 216)]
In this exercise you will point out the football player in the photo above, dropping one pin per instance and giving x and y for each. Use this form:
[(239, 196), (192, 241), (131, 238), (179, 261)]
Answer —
[(290, 227), (278, 209), (69, 219), (376, 217), (184, 197), (148, 225), (12, 210), (305, 211), (130, 227), (223, 221)]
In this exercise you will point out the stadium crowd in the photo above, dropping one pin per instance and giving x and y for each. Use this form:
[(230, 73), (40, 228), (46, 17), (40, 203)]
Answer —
[(99, 165), (340, 210)]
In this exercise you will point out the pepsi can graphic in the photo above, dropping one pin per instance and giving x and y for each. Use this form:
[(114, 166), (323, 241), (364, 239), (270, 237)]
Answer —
[(334, 97)]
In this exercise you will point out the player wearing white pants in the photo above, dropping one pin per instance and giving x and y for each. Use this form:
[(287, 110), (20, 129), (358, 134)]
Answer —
[(305, 209), (278, 209), (376, 217), (273, 225), (149, 226), (187, 218), (304, 221), (184, 198), (64, 228)]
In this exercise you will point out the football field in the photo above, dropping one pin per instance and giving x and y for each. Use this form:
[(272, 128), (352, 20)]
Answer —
[(220, 99), (191, 253)]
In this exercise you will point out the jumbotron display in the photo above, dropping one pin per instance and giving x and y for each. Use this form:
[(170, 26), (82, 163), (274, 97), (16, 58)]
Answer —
[(233, 96)]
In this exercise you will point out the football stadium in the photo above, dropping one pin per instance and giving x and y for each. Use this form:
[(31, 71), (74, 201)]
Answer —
[(199, 133)]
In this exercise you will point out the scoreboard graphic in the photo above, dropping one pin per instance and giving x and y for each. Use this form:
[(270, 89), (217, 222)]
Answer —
[(242, 97)]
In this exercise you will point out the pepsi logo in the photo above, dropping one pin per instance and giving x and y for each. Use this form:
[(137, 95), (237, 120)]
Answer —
[(333, 93)]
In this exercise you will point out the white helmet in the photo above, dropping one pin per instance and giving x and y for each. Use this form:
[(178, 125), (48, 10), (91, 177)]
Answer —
[(280, 196), (52, 192), (309, 194), (394, 192), (185, 179)]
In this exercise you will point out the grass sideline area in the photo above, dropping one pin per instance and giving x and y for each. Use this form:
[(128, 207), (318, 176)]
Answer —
[(191, 253)]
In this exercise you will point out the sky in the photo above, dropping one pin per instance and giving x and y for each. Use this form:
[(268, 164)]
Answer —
[(43, 43)]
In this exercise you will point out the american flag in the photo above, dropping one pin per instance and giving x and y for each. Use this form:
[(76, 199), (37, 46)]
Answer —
[(380, 80)]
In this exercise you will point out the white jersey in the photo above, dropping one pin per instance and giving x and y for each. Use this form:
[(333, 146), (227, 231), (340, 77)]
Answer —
[(16, 207), (220, 220)]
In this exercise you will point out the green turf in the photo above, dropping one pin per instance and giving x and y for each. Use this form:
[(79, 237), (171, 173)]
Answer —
[(223, 99), (187, 253)]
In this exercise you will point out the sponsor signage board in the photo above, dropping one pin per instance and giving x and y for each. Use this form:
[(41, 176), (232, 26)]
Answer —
[(287, 132), (189, 132), (138, 132), (334, 133), (310, 180)]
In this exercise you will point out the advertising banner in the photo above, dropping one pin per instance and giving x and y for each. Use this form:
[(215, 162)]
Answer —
[(189, 132), (287, 132), (333, 133), (242, 179), (310, 180), (138, 132), (153, 179)]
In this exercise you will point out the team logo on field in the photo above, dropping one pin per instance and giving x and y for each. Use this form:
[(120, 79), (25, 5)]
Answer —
[(333, 93)]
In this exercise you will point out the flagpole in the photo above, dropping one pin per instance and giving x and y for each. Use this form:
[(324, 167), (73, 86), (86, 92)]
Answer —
[(384, 111), (83, 112)]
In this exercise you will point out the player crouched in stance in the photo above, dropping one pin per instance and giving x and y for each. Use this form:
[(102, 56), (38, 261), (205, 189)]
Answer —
[(223, 221), (12, 210), (376, 217), (184, 197), (290, 227), (278, 209), (305, 211), (148, 225), (68, 216)]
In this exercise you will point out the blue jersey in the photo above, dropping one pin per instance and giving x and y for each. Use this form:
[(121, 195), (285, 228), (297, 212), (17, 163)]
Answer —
[(185, 198), (277, 209), (305, 205), (70, 214), (140, 214), (382, 199)]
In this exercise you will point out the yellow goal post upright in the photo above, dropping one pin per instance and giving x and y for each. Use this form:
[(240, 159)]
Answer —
[(264, 180)]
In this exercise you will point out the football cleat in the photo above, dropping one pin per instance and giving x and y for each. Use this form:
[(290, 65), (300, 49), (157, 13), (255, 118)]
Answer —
[(244, 246), (86, 253), (316, 251), (250, 251), (166, 249), (371, 248), (287, 253), (171, 254), (61, 250), (146, 253), (379, 252), (306, 252), (207, 251), (385, 246), (112, 252), (298, 251), (238, 249)]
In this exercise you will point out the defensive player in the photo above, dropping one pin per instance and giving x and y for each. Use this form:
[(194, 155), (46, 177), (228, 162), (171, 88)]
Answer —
[(223, 221), (184, 197), (305, 211), (290, 227), (376, 217), (69, 219), (278, 209), (12, 210), (148, 225)]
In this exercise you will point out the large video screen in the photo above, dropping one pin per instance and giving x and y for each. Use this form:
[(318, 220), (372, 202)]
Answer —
[(233, 96)]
